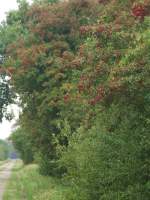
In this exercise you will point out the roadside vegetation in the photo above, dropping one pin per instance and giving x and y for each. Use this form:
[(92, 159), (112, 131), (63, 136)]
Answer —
[(7, 151), (81, 69), (26, 183), (4, 150), (2, 163)]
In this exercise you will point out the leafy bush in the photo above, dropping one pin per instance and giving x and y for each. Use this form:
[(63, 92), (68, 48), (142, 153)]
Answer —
[(110, 161), (23, 144)]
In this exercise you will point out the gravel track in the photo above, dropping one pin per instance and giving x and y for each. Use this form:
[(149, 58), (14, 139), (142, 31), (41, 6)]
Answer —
[(5, 172)]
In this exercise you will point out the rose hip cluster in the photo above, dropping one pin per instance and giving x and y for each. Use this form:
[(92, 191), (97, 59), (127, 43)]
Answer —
[(95, 29), (85, 29), (139, 11), (100, 95), (82, 84), (102, 1), (66, 98), (9, 71)]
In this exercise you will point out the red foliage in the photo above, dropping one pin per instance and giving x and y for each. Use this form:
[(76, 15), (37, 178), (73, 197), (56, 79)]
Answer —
[(85, 29), (29, 56), (2, 70), (102, 1), (84, 83), (84, 3), (101, 29), (101, 91), (95, 100), (11, 70), (67, 55), (76, 63), (139, 11), (66, 98), (99, 97), (81, 87)]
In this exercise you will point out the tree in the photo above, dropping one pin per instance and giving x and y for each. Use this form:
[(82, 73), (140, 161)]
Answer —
[(23, 145), (4, 152), (6, 96), (40, 58)]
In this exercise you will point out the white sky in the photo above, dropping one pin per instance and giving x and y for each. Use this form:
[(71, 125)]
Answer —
[(6, 127)]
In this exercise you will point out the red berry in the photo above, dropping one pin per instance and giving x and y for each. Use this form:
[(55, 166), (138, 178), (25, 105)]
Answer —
[(139, 11), (101, 29), (66, 98)]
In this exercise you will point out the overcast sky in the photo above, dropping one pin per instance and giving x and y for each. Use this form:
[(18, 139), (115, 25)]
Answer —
[(6, 127)]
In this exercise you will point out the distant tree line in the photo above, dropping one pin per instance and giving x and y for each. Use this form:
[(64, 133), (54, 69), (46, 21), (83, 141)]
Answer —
[(4, 151), (7, 150)]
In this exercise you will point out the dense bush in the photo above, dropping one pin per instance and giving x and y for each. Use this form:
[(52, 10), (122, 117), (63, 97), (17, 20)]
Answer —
[(110, 161), (22, 143)]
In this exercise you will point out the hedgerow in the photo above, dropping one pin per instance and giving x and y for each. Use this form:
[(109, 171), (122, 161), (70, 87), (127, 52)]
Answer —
[(81, 69)]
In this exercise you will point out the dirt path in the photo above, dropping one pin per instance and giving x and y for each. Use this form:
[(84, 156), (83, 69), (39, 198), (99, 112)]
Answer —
[(5, 172)]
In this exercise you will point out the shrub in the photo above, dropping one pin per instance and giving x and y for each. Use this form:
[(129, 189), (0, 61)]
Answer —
[(23, 145), (110, 161)]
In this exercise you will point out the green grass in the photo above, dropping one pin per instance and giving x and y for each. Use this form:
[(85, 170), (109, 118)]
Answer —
[(27, 184), (2, 164)]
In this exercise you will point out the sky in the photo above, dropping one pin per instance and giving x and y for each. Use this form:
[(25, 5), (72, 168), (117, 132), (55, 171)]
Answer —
[(7, 127)]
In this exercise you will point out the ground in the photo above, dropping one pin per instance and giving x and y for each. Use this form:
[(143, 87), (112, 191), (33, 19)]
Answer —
[(27, 184), (5, 173)]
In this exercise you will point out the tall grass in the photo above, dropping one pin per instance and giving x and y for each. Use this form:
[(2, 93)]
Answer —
[(26, 183)]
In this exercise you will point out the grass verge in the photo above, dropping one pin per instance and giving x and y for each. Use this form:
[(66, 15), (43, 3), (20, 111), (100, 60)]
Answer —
[(27, 184), (2, 163)]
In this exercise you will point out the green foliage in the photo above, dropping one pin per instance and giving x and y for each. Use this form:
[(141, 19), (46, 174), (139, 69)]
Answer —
[(22, 143), (6, 96), (41, 59), (4, 151), (110, 161), (45, 1), (26, 182)]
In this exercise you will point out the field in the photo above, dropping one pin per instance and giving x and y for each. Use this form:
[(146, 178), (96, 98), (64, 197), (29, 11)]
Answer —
[(26, 183)]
